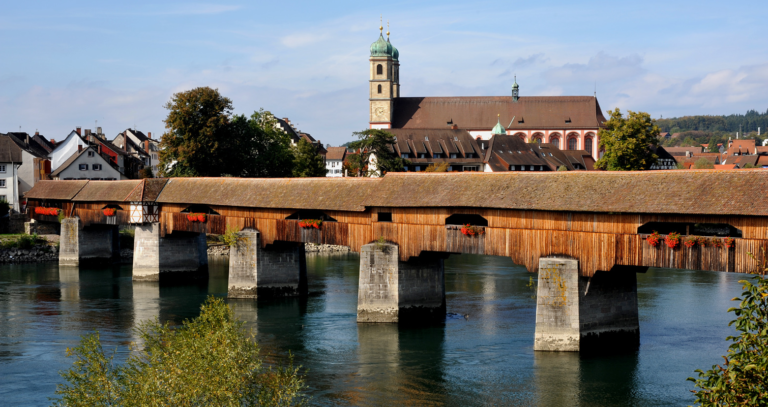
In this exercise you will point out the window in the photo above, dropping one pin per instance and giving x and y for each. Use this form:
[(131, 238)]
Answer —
[(511, 167), (417, 168), (426, 138), (83, 167), (2, 168), (379, 70), (91, 154), (453, 155), (471, 168), (437, 155), (588, 145), (4, 198), (2, 183), (379, 88), (422, 155), (96, 167), (573, 144), (385, 216), (404, 155)]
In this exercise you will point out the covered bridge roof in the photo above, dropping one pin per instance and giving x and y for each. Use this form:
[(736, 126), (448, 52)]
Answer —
[(62, 190)]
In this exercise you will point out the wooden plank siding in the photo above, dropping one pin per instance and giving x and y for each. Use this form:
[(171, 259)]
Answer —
[(598, 240)]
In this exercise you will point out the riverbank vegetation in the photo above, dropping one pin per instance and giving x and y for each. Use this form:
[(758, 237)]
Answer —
[(210, 360), (742, 380)]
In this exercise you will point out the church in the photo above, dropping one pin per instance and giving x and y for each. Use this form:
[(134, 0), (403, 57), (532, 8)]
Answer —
[(567, 122)]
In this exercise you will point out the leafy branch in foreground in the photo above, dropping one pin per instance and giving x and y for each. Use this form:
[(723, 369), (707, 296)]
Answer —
[(742, 380), (209, 360)]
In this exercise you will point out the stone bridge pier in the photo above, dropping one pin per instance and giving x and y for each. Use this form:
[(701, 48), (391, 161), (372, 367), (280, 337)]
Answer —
[(90, 244), (575, 313), (177, 252), (278, 270), (395, 291)]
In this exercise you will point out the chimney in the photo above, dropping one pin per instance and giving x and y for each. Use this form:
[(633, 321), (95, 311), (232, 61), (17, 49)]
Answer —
[(454, 126), (688, 154), (99, 149), (37, 133), (149, 134), (87, 132), (98, 130), (79, 148), (53, 141), (77, 130), (146, 145)]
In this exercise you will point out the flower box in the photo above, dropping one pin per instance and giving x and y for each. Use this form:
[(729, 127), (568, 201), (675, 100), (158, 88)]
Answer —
[(109, 211), (310, 223), (653, 239), (472, 231), (672, 240), (47, 211), (691, 241), (197, 217), (728, 242)]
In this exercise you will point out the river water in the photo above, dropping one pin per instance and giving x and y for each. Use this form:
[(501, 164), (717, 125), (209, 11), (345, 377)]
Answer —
[(486, 358)]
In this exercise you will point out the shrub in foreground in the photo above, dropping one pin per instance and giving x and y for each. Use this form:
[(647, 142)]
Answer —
[(210, 360)]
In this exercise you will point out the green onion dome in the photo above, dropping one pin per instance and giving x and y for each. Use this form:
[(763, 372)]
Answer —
[(498, 128), (381, 48), (395, 52)]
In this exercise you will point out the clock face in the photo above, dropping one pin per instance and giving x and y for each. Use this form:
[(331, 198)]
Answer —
[(379, 111)]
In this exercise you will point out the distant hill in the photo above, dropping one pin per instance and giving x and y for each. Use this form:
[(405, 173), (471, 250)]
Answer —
[(749, 122)]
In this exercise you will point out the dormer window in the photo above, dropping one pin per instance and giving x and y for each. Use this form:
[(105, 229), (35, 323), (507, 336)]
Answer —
[(426, 138), (456, 138)]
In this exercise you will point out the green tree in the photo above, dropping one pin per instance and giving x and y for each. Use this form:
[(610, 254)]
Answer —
[(442, 167), (742, 380), (196, 142), (146, 172), (749, 165), (703, 164), (381, 145), (265, 151), (562, 168), (210, 360), (308, 163), (628, 141)]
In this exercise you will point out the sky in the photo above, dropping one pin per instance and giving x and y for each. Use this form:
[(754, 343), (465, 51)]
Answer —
[(79, 63)]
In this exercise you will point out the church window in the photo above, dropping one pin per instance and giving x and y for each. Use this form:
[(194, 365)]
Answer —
[(572, 144), (379, 86), (588, 145), (379, 69)]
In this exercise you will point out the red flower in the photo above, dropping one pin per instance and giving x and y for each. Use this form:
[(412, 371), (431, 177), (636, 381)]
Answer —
[(109, 211), (672, 240), (47, 211), (653, 239), (729, 242), (310, 223)]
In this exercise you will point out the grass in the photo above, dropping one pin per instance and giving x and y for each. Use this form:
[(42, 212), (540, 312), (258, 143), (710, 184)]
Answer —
[(19, 241)]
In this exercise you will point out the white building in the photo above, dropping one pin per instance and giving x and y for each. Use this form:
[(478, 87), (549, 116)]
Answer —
[(88, 164), (66, 149), (24, 162), (334, 161)]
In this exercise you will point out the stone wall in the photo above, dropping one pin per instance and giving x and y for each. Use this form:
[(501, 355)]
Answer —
[(177, 252), (557, 305), (36, 254)]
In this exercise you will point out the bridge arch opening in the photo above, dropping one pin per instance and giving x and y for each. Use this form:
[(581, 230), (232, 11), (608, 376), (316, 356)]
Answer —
[(698, 229), (310, 214), (200, 209), (463, 219)]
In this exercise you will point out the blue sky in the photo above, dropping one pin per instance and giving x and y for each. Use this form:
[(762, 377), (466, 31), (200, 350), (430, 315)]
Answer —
[(67, 64)]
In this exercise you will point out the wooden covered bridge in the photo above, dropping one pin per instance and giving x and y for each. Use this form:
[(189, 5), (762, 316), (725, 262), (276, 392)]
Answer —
[(585, 232)]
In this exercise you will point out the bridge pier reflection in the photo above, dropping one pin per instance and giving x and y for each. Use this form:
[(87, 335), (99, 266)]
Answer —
[(396, 291), (177, 252), (575, 313), (279, 270)]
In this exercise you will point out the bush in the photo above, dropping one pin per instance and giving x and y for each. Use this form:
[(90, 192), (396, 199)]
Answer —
[(146, 172), (21, 242), (210, 360), (5, 207), (703, 164), (743, 378), (562, 168), (749, 165), (233, 238), (442, 167)]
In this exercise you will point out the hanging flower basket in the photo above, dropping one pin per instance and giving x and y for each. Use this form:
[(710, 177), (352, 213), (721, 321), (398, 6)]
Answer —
[(728, 242), (715, 242), (672, 240), (653, 239), (109, 211), (691, 241), (197, 217), (310, 223), (47, 211), (701, 241), (472, 231)]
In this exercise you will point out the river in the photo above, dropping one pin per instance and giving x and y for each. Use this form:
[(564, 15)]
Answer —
[(485, 358)]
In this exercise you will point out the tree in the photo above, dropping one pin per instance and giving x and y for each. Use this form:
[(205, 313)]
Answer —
[(210, 360), (442, 167), (378, 148), (308, 163), (749, 165), (146, 172), (197, 142), (264, 150), (562, 168), (628, 141), (703, 164), (743, 378)]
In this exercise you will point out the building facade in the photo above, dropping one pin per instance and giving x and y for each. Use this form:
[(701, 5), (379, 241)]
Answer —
[(567, 122), (334, 161)]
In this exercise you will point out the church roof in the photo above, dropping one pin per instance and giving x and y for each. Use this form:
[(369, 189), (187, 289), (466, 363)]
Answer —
[(476, 112)]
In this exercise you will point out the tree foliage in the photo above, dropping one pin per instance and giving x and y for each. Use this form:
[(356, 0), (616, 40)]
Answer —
[(442, 167), (728, 123), (146, 172), (562, 168), (308, 163), (378, 147), (203, 138), (210, 360), (703, 164), (628, 141), (195, 142), (742, 380)]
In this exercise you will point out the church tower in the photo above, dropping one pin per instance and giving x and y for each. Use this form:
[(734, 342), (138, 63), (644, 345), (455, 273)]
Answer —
[(384, 81)]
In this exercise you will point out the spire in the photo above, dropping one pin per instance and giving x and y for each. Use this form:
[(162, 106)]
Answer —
[(498, 129), (381, 23), (515, 90), (387, 30)]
